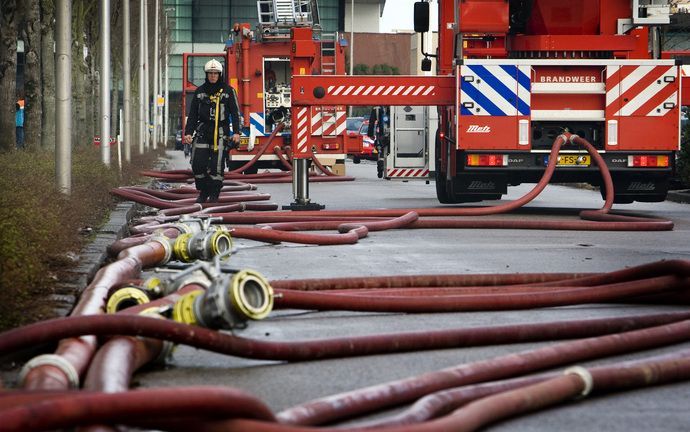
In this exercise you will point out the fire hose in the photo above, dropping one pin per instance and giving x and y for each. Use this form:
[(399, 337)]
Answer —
[(671, 282), (61, 411), (64, 368)]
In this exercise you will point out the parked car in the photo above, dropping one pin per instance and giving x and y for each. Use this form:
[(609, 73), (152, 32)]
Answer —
[(178, 140), (368, 149), (97, 141), (353, 124)]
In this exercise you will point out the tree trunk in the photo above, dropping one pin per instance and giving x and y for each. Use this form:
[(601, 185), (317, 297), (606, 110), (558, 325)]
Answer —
[(33, 111), (115, 103), (48, 73), (116, 68), (8, 72), (93, 107), (78, 68)]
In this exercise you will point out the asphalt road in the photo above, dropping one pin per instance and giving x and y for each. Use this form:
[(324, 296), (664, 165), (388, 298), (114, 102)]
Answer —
[(470, 251)]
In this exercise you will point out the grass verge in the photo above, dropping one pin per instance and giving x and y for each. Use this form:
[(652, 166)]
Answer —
[(42, 228)]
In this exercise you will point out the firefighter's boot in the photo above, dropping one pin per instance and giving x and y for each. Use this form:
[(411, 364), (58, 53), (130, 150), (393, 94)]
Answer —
[(215, 192), (379, 168), (203, 196)]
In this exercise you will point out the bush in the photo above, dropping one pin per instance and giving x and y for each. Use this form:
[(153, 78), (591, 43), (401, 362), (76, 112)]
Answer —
[(39, 225)]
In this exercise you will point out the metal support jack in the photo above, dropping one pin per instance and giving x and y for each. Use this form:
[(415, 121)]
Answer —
[(300, 187)]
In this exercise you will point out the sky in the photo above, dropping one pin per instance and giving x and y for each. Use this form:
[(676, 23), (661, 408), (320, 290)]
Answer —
[(398, 15)]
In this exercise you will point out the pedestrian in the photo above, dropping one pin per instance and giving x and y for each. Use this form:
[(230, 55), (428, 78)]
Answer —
[(208, 130), (19, 122)]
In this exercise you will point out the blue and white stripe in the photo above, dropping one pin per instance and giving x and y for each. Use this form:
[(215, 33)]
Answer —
[(495, 90), (257, 122)]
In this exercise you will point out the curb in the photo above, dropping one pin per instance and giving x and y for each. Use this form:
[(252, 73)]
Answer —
[(91, 258), (680, 196)]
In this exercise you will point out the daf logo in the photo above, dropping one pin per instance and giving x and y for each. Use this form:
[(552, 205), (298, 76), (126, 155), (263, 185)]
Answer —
[(619, 160), (478, 129)]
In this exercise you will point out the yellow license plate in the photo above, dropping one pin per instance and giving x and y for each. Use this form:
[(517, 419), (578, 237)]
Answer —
[(244, 141), (571, 160)]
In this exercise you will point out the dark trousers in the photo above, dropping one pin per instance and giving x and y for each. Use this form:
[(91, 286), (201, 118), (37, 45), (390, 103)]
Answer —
[(20, 137), (207, 166)]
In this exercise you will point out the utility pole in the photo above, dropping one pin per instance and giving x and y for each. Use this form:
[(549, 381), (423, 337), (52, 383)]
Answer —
[(126, 74), (63, 95), (105, 82)]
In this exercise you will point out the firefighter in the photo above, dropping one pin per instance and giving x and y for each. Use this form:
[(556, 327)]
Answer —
[(208, 130), (379, 131)]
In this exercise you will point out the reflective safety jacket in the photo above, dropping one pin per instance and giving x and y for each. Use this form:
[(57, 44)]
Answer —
[(212, 109)]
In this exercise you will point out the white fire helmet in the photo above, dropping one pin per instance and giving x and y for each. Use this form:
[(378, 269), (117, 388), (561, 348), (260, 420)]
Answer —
[(213, 66)]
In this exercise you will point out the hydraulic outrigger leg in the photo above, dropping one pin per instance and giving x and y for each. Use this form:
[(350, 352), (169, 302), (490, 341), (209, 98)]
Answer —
[(300, 187)]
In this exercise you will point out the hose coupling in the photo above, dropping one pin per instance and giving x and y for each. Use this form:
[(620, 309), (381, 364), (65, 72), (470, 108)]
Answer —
[(586, 377), (203, 245), (126, 297), (167, 247), (233, 299), (183, 310), (189, 224), (167, 347), (51, 360)]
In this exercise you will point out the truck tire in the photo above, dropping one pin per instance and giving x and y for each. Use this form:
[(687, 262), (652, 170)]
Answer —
[(440, 177)]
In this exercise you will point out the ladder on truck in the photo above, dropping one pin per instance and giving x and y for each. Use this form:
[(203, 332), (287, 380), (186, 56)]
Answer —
[(277, 16), (328, 58)]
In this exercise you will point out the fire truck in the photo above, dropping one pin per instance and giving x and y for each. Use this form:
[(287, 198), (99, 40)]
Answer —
[(512, 75), (257, 66)]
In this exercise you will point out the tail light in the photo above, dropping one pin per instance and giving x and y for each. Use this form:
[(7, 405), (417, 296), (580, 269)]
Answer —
[(650, 161), (487, 160)]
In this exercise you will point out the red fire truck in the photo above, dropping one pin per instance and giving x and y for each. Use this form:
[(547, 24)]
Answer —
[(513, 75), (257, 65)]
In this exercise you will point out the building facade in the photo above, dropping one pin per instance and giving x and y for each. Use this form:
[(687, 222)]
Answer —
[(203, 26)]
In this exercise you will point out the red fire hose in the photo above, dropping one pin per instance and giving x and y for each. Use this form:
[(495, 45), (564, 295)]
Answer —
[(199, 337), (596, 220)]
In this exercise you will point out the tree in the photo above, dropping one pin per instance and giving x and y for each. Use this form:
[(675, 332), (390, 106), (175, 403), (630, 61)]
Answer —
[(33, 111), (116, 67), (360, 69), (82, 83), (8, 72), (48, 73)]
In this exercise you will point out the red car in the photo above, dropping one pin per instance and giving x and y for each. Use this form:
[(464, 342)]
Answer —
[(368, 149)]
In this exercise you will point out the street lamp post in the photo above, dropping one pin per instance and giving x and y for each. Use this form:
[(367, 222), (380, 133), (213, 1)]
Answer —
[(166, 115), (143, 143), (105, 82), (127, 86), (156, 71)]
